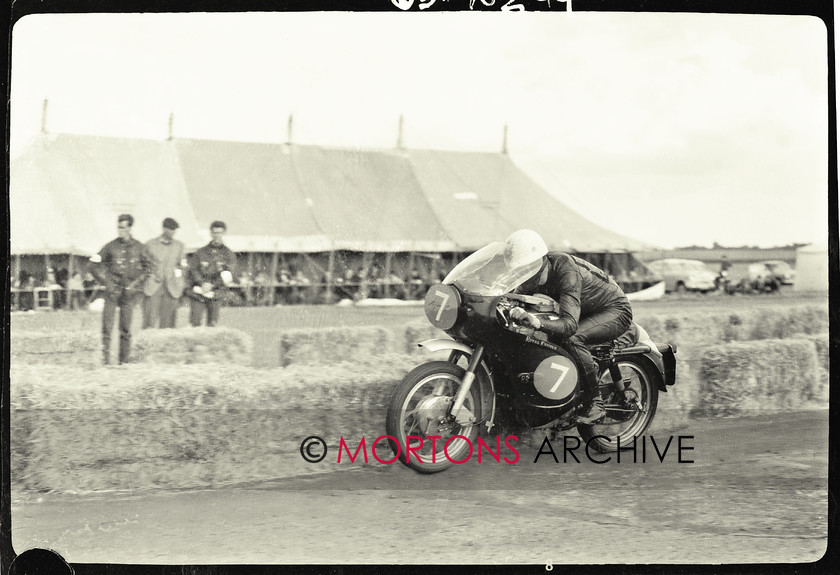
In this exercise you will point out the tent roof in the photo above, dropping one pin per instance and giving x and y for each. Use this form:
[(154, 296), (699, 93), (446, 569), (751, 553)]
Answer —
[(66, 191), (820, 247), (482, 197)]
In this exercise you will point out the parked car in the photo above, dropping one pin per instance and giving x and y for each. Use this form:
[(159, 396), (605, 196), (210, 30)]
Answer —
[(767, 276), (778, 269), (684, 275)]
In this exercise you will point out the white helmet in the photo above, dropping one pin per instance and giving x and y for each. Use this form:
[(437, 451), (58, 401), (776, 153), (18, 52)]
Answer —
[(523, 247)]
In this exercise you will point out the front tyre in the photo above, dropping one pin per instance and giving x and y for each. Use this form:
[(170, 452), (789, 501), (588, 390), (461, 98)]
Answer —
[(419, 409), (629, 413)]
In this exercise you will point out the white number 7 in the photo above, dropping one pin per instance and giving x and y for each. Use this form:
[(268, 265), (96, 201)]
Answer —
[(564, 370), (445, 296)]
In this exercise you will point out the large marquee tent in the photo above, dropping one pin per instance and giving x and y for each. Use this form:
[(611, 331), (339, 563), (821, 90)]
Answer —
[(67, 189)]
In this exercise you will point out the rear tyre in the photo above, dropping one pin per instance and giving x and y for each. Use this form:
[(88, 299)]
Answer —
[(630, 413), (419, 408)]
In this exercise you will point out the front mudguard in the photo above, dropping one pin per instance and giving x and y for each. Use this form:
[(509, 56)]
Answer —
[(484, 378)]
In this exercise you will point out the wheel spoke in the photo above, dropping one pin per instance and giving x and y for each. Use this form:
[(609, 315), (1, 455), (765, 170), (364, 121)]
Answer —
[(424, 411)]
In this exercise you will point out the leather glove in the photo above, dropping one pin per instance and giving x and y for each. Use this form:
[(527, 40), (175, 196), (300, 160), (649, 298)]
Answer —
[(524, 318)]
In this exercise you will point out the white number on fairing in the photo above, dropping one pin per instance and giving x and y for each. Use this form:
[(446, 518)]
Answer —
[(563, 371), (445, 297)]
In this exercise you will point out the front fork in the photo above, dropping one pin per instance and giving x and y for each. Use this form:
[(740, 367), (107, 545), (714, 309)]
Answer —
[(466, 383)]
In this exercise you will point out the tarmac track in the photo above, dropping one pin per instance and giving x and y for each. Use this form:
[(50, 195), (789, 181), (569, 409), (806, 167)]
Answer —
[(756, 492)]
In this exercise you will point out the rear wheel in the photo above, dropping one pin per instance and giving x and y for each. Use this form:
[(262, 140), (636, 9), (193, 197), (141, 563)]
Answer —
[(629, 413), (419, 409)]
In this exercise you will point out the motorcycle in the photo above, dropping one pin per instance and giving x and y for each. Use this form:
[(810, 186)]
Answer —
[(437, 410)]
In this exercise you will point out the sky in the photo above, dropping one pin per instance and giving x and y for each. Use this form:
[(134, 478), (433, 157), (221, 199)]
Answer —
[(674, 129)]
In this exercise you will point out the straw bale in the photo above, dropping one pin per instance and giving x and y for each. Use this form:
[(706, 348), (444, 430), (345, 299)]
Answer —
[(329, 345), (418, 331), (59, 347), (771, 374), (186, 425), (192, 345), (693, 330)]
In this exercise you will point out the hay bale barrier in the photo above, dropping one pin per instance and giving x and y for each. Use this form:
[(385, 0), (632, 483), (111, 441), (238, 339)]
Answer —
[(188, 425), (696, 329), (745, 377), (191, 411), (418, 331), (330, 345), (79, 348), (192, 345)]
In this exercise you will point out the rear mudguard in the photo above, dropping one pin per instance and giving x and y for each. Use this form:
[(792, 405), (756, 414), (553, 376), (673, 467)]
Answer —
[(487, 391), (661, 357)]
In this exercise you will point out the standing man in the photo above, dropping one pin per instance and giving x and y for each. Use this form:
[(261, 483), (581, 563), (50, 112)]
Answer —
[(211, 272), (121, 266), (163, 289)]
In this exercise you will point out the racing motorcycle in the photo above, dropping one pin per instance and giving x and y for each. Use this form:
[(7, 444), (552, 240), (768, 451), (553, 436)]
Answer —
[(438, 409)]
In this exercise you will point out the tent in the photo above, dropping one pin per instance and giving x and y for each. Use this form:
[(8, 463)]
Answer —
[(812, 267), (66, 191)]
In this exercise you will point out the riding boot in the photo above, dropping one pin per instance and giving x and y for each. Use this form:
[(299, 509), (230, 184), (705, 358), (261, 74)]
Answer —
[(592, 404)]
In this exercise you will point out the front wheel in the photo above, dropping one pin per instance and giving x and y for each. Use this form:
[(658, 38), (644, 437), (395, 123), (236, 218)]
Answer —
[(629, 413), (428, 438)]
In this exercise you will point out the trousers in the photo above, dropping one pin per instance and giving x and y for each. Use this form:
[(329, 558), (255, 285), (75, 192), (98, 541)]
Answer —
[(601, 327), (199, 308), (160, 309), (126, 300)]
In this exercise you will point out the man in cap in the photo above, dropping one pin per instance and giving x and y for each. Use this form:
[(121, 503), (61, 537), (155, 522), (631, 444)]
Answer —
[(211, 272), (163, 289), (122, 266), (592, 307)]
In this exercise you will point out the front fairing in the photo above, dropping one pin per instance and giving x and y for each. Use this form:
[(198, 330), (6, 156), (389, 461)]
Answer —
[(465, 304), (485, 272)]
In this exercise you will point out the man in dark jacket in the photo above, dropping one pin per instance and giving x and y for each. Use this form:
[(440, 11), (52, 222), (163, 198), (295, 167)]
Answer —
[(121, 266), (211, 272), (592, 307)]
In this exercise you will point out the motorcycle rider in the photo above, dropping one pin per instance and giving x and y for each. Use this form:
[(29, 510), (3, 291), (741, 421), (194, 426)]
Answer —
[(593, 309)]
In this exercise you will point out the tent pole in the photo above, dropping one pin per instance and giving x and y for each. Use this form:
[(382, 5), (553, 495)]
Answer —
[(44, 117), (272, 282), (328, 296), (16, 278), (249, 296), (365, 271), (388, 258), (67, 294)]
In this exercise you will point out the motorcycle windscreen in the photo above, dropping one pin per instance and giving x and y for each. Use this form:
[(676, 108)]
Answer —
[(486, 273)]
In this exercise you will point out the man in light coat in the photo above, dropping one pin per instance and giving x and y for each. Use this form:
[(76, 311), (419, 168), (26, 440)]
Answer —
[(163, 289)]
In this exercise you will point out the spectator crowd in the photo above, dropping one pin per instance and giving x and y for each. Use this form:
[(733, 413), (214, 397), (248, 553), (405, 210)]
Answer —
[(290, 286)]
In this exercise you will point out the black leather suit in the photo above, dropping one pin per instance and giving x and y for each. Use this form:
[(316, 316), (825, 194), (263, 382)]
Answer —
[(592, 307)]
